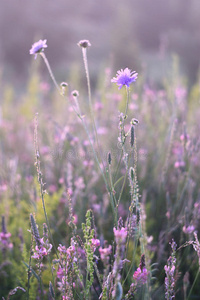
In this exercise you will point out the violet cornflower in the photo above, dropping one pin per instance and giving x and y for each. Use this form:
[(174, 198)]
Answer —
[(38, 47), (124, 77)]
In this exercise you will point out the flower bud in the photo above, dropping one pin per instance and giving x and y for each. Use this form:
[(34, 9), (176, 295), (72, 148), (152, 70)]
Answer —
[(84, 44)]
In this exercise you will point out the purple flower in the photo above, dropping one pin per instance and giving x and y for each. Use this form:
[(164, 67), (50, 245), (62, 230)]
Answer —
[(95, 244), (42, 250), (104, 254), (125, 77), (120, 235), (170, 272), (140, 276), (38, 47)]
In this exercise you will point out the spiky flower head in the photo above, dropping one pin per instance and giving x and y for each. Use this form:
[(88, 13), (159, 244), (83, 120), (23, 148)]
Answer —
[(38, 47), (35, 231), (124, 77), (84, 43)]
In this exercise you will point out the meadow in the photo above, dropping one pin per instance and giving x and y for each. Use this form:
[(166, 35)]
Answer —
[(99, 186)]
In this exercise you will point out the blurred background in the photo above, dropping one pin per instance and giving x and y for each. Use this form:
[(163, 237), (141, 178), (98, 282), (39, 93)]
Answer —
[(139, 34)]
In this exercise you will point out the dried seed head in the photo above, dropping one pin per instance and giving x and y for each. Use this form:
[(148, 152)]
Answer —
[(109, 158), (132, 136), (131, 173), (120, 223), (84, 44), (142, 262), (3, 225)]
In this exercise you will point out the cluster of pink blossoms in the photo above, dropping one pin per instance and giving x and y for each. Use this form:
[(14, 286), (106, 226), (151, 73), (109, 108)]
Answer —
[(140, 276), (95, 243), (104, 254), (120, 235), (5, 240), (5, 237), (67, 258), (42, 250)]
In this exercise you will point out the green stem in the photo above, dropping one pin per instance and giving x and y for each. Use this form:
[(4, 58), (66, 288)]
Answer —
[(86, 130), (127, 101), (50, 71), (41, 183), (84, 52), (193, 285)]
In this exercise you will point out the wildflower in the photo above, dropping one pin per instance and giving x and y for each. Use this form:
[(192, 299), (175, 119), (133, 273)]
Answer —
[(66, 270), (141, 275), (120, 235), (125, 77), (38, 47), (5, 237), (196, 246), (170, 272), (188, 229), (42, 250), (95, 244), (84, 43), (104, 254)]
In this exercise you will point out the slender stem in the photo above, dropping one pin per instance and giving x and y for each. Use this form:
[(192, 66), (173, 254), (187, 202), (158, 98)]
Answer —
[(84, 51), (112, 186), (125, 116), (85, 127), (96, 158), (41, 183), (196, 277), (127, 101), (50, 71), (29, 268), (125, 176)]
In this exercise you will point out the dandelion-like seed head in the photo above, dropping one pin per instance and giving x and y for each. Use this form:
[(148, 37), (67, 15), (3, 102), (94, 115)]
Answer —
[(124, 77), (84, 43), (38, 47)]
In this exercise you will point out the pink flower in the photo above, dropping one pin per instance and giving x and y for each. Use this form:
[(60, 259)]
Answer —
[(42, 250), (95, 244), (5, 240), (104, 254), (120, 235), (188, 229), (140, 276)]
